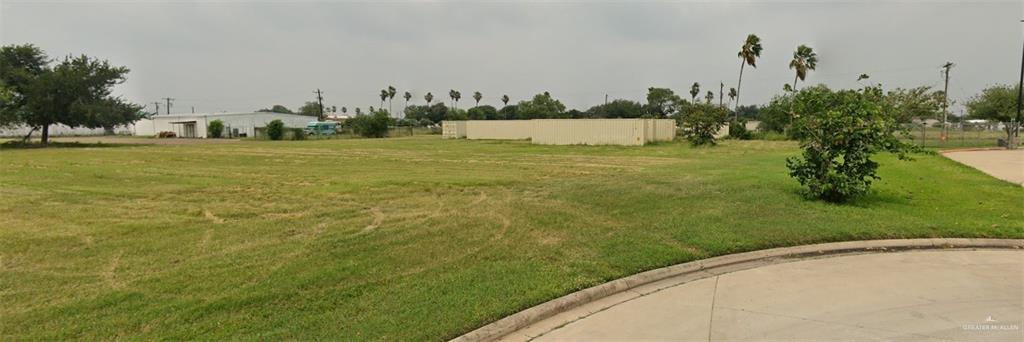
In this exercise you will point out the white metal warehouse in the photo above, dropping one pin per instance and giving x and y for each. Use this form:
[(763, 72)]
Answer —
[(193, 125)]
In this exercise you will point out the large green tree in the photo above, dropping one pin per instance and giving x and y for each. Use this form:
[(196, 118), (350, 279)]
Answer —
[(804, 59), (75, 91), (541, 106), (484, 112), (749, 53), (309, 108), (914, 103), (997, 103), (662, 102), (616, 109)]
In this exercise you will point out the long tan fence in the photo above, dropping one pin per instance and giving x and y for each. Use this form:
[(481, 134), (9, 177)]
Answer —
[(499, 129), (630, 132)]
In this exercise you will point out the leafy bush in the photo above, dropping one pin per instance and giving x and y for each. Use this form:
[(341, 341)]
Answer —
[(215, 129), (701, 121), (166, 134), (373, 125), (298, 134), (839, 139), (776, 116), (275, 130), (738, 130)]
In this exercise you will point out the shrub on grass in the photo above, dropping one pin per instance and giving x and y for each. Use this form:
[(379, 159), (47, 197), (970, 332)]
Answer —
[(373, 125), (839, 140), (738, 130), (298, 134), (275, 130), (215, 129), (701, 121)]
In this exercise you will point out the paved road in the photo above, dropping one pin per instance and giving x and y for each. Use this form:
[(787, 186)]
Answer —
[(1003, 164), (917, 295)]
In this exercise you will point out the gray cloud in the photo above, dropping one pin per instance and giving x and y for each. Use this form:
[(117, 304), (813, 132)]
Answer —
[(245, 55)]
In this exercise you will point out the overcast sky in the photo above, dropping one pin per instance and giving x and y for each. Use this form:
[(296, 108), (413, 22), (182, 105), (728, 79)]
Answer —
[(245, 55)]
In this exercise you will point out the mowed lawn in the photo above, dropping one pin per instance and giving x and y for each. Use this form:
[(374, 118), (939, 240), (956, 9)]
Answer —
[(413, 238)]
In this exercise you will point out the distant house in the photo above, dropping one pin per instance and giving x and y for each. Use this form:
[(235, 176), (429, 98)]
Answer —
[(193, 125)]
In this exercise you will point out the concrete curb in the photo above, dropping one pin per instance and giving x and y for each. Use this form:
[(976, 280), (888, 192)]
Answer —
[(718, 265)]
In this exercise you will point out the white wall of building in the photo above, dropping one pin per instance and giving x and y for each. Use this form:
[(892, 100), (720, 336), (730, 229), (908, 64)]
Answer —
[(62, 130), (244, 123)]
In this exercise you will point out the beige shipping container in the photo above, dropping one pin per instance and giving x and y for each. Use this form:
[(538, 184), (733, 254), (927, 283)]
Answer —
[(661, 130), (453, 129), (499, 129), (630, 132)]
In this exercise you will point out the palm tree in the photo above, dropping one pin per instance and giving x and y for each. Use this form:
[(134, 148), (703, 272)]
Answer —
[(694, 90), (429, 97), (344, 110), (732, 94), (407, 96), (477, 96), (455, 95), (504, 99), (709, 97), (359, 111), (391, 95), (383, 96), (804, 59), (749, 53)]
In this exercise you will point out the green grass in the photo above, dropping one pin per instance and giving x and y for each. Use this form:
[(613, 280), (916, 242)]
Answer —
[(410, 238)]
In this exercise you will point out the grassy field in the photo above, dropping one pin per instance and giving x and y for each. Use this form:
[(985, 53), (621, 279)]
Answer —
[(412, 238)]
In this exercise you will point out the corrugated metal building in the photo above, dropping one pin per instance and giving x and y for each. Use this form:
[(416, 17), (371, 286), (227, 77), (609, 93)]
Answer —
[(630, 132), (237, 124)]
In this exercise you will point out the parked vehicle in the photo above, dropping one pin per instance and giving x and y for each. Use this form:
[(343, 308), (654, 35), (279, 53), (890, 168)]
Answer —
[(321, 128)]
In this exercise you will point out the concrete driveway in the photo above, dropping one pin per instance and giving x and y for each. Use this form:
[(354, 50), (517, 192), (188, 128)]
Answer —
[(913, 295), (1003, 164)]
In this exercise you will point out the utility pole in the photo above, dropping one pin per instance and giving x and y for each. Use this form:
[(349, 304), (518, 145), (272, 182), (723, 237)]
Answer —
[(320, 99), (605, 98), (945, 102), (169, 99), (721, 93), (157, 104), (193, 109)]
